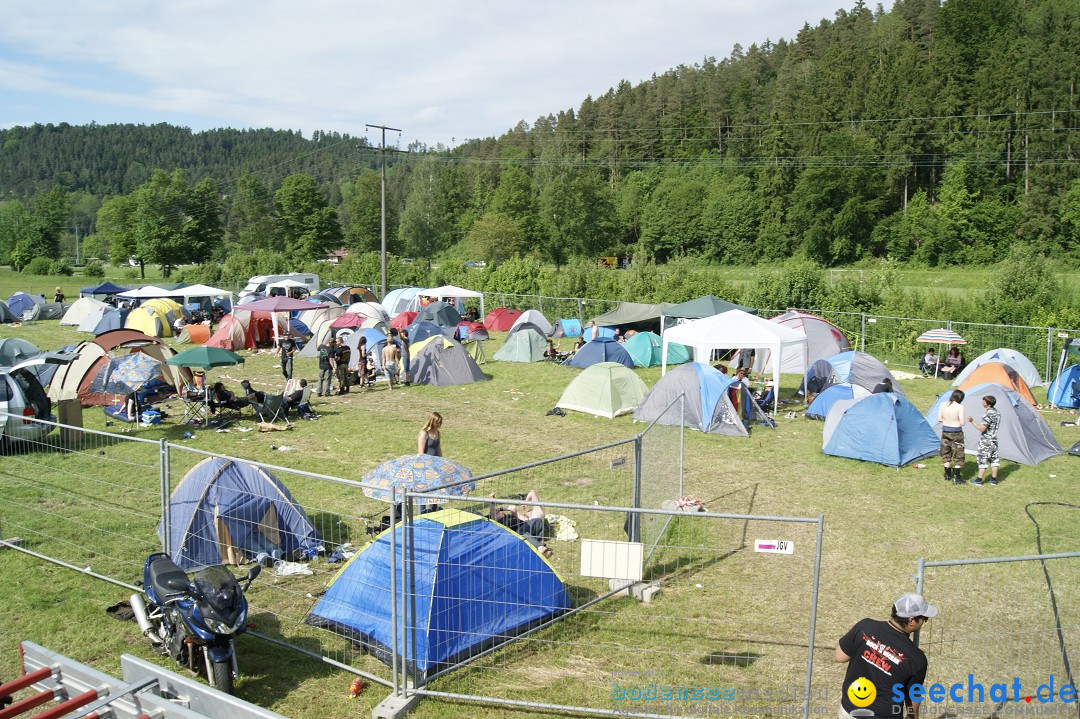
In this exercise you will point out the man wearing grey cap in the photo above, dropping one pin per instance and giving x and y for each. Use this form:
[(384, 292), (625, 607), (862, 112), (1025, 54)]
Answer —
[(881, 655)]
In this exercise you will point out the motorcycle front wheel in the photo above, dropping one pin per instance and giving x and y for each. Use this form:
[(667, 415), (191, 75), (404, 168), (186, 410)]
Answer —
[(223, 676)]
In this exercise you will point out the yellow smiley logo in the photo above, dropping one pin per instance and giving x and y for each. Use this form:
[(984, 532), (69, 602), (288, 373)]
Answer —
[(862, 692)]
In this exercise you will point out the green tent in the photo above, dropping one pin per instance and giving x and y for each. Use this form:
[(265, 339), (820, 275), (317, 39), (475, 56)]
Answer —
[(525, 345), (706, 306), (606, 389), (475, 348), (646, 349)]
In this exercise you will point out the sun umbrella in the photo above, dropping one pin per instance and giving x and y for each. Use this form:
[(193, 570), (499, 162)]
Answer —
[(205, 357), (941, 336), (132, 372), (418, 473)]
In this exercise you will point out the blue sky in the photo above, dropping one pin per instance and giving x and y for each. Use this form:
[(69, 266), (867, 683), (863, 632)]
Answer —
[(442, 72)]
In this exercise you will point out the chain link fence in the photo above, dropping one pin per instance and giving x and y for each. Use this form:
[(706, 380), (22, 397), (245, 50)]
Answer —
[(1007, 634)]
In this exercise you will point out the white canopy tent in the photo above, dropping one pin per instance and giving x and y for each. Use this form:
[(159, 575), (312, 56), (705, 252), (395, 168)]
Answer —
[(200, 291), (447, 293), (736, 329), (144, 293)]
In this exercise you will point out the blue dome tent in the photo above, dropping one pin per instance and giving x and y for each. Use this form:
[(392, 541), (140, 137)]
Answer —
[(601, 349), (1064, 391), (226, 512), (819, 408), (715, 403), (883, 428), (476, 585)]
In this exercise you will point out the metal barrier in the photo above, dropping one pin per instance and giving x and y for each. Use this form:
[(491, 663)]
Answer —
[(1006, 633), (488, 618)]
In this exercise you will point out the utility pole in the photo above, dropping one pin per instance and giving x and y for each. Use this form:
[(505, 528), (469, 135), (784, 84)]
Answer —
[(382, 197)]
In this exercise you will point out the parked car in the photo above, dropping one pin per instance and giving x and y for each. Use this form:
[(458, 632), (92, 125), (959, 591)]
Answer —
[(23, 396)]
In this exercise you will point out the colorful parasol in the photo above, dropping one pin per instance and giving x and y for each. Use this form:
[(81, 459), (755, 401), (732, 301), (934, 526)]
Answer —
[(418, 473), (941, 336)]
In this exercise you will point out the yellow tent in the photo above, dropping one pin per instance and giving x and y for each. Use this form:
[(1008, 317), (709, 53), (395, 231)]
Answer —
[(154, 317)]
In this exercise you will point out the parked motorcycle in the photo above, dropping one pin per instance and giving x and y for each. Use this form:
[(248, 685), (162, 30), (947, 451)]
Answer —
[(194, 620)]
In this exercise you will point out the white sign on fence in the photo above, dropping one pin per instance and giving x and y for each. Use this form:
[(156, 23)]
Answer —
[(774, 546)]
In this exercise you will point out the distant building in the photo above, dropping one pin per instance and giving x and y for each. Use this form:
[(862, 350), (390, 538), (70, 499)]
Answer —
[(337, 256)]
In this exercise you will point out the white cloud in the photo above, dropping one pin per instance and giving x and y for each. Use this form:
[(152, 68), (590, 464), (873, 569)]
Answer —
[(437, 69)]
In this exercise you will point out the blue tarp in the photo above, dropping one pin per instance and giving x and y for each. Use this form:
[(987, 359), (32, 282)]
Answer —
[(224, 512), (476, 584), (883, 428)]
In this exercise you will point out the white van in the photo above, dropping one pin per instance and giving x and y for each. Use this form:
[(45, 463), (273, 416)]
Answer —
[(258, 283)]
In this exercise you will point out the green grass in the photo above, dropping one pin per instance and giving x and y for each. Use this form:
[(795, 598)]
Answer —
[(878, 522)]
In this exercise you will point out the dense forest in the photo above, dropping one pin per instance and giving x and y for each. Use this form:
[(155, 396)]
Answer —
[(932, 134)]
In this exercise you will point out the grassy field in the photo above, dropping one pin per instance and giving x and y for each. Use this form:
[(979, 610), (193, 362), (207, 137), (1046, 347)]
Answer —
[(878, 521)]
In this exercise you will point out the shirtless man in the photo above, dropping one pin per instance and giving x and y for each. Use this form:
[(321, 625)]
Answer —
[(951, 416), (390, 358)]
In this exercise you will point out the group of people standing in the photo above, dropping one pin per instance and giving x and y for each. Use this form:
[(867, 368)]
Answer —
[(951, 416), (335, 356)]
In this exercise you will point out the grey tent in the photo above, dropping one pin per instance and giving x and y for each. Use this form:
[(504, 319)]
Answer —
[(712, 402), (442, 361), (52, 311), (5, 313), (705, 306), (1023, 435), (633, 315), (858, 368), (526, 326), (526, 345), (440, 313)]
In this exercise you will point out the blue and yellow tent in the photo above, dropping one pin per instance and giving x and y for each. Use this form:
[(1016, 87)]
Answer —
[(475, 585)]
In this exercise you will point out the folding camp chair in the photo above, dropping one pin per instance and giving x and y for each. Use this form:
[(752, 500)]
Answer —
[(273, 411)]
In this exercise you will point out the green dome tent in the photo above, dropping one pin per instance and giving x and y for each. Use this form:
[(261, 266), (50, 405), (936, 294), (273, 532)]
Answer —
[(526, 345), (646, 349), (606, 389)]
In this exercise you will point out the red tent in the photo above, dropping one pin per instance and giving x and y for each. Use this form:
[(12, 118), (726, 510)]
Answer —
[(403, 320), (501, 319), (348, 320)]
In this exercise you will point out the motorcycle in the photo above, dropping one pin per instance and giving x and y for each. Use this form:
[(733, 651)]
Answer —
[(194, 620)]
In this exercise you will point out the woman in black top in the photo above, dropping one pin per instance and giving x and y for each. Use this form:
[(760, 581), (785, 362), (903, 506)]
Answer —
[(429, 441)]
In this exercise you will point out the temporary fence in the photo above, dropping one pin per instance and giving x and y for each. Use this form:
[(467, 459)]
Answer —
[(1007, 637), (519, 619)]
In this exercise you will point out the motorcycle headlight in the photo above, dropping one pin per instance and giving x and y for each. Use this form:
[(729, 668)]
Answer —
[(218, 627)]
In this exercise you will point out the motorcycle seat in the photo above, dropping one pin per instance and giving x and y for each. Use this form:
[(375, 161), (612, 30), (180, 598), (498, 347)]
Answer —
[(163, 570)]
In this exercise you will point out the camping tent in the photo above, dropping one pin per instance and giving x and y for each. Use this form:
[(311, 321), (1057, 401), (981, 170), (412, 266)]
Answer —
[(998, 373), (819, 408), (193, 334), (737, 329), (1064, 391), (51, 311), (403, 319), (349, 295), (20, 303), (645, 349), (80, 308), (606, 389), (883, 428), (226, 512), (714, 402), (421, 330), (368, 309), (15, 350), (569, 327), (104, 320), (501, 319), (705, 306), (1023, 366), (154, 317), (474, 584), (73, 380), (633, 315), (535, 317), (523, 326), (526, 345), (1023, 435), (397, 301), (442, 361), (373, 337), (5, 313), (852, 367), (591, 333), (472, 331), (601, 349), (823, 339), (439, 313)]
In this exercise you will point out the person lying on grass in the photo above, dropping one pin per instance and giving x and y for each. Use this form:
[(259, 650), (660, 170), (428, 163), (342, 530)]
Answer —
[(526, 520)]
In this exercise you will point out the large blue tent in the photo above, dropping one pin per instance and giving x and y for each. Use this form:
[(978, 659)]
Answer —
[(474, 584), (226, 512), (1064, 391), (601, 349), (819, 408), (883, 428)]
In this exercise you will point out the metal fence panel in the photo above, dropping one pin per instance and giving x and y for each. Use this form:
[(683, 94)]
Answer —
[(89, 499), (1003, 620), (661, 471), (701, 627)]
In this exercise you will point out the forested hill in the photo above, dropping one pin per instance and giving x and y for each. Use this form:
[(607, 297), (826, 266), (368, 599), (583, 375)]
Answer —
[(931, 133), (115, 159)]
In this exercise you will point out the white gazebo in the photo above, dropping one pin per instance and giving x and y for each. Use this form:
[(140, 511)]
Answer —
[(736, 329), (449, 292)]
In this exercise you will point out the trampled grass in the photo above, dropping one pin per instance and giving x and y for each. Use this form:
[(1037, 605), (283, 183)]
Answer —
[(878, 522)]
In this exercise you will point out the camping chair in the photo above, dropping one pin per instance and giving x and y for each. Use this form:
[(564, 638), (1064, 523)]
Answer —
[(273, 411), (765, 400)]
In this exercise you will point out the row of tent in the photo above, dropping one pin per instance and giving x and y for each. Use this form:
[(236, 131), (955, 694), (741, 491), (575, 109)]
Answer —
[(23, 307)]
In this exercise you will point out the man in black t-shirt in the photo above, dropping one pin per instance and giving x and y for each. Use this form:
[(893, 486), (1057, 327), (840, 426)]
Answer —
[(327, 353), (880, 655), (342, 358), (287, 350)]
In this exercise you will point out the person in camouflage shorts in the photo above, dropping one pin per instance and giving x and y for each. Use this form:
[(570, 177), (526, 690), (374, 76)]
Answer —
[(987, 451)]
